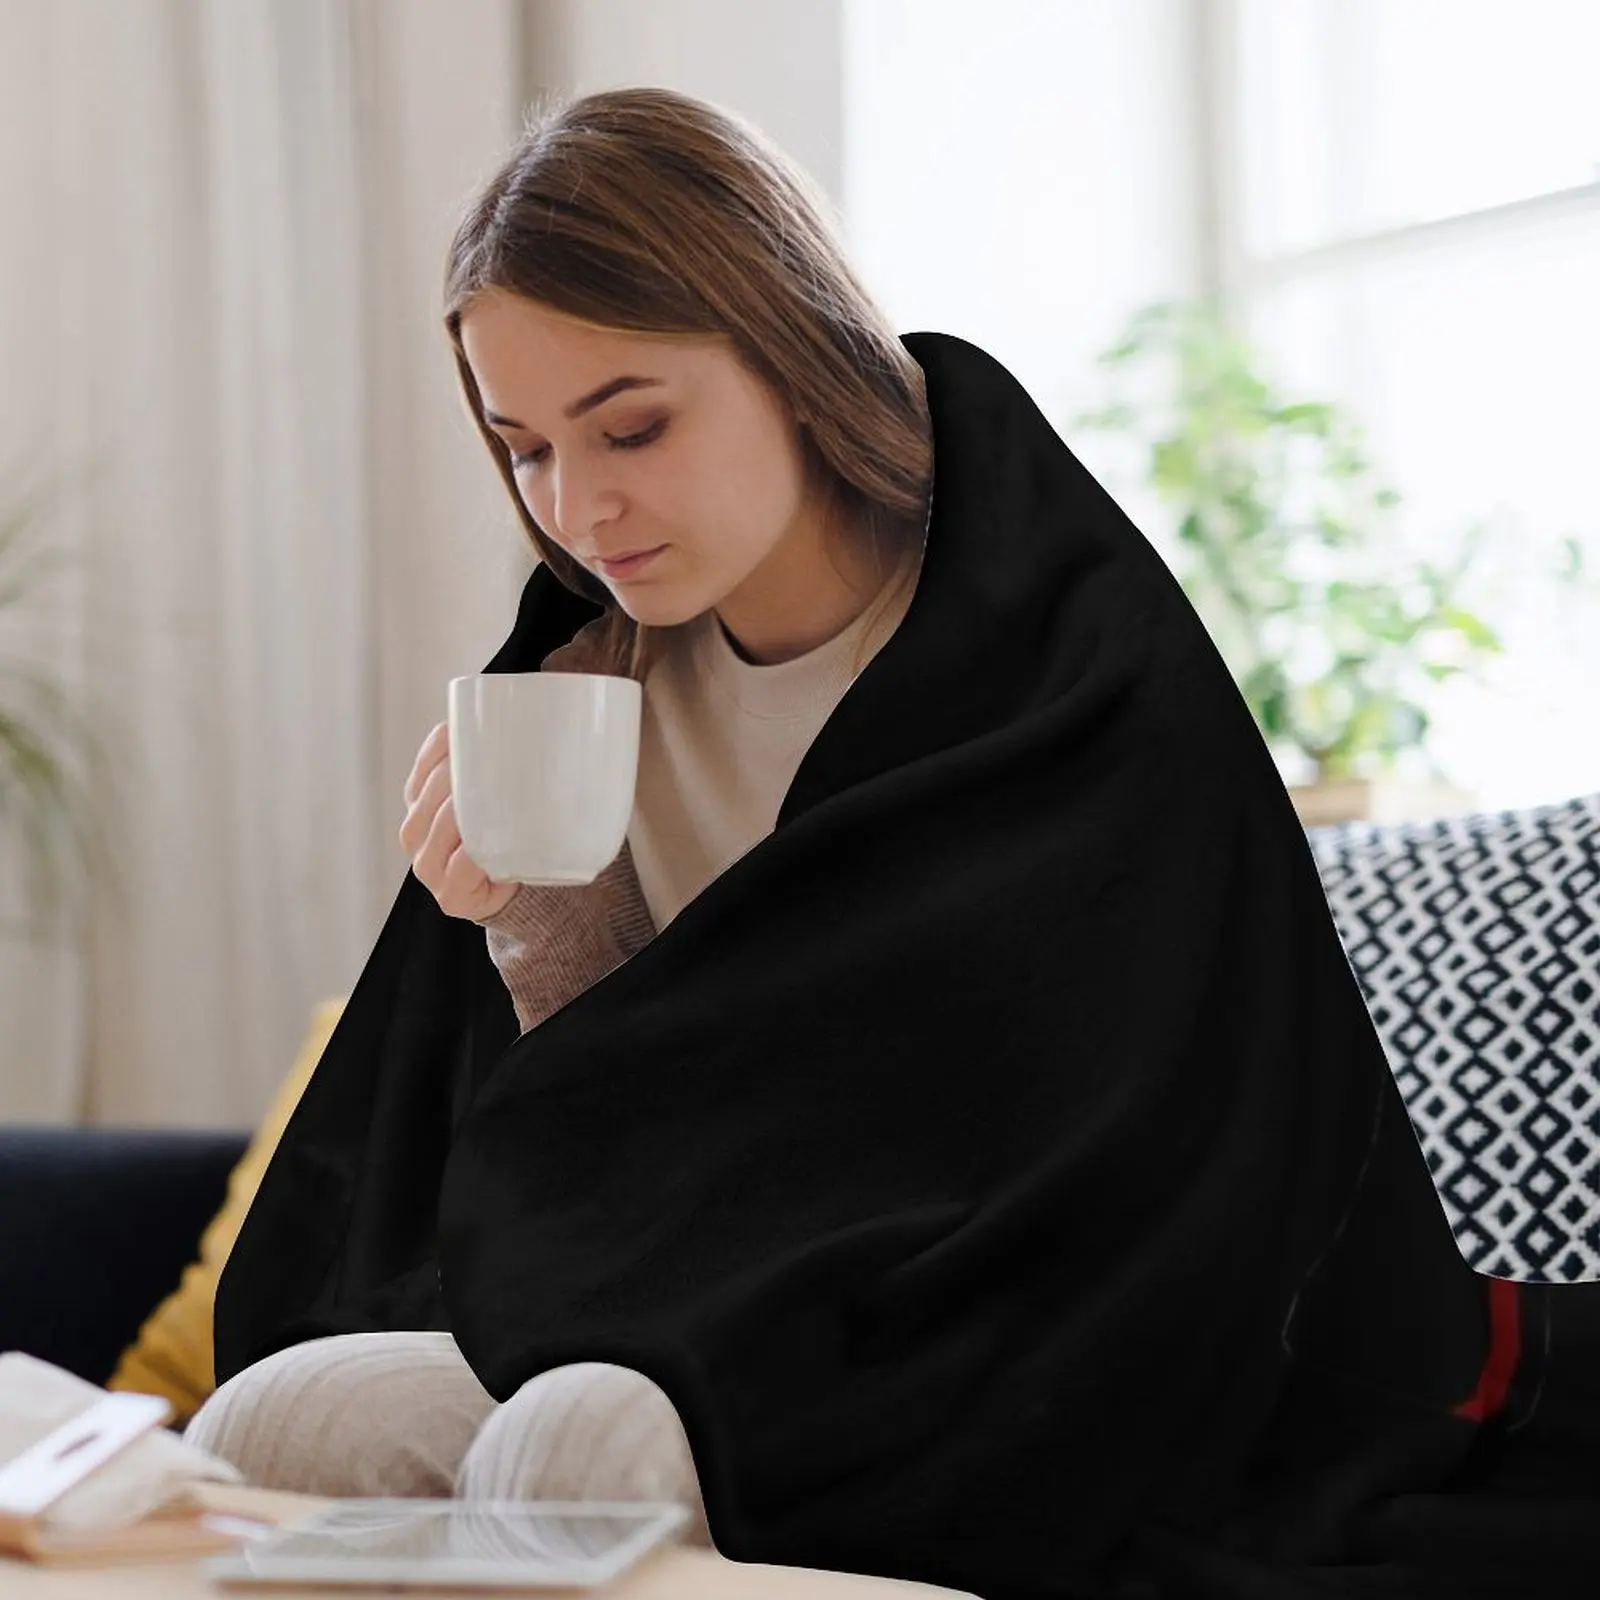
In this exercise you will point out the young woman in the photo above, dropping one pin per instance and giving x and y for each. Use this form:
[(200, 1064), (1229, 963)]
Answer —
[(771, 455), (949, 1140)]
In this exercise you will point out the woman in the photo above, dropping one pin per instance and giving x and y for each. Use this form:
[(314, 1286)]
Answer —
[(950, 1132), (787, 541)]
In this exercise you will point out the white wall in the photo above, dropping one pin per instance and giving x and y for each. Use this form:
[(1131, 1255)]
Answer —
[(773, 61), (1030, 222)]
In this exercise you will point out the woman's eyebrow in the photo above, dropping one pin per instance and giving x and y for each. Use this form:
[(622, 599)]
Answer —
[(588, 402)]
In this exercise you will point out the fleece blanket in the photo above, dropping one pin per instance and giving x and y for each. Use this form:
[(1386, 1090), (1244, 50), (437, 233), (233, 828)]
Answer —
[(997, 1165)]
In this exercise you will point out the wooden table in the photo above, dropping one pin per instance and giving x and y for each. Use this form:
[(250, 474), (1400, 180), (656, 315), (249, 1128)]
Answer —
[(672, 1572)]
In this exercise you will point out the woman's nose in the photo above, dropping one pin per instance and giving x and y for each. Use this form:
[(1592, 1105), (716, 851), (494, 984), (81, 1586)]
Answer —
[(582, 500)]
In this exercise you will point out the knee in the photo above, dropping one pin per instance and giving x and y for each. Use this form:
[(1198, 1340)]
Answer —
[(350, 1414), (590, 1430), (234, 1413)]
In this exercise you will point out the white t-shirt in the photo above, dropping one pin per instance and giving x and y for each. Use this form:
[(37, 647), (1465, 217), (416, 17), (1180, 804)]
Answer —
[(720, 741)]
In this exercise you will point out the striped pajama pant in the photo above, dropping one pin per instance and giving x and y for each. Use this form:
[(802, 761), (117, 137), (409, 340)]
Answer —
[(401, 1414)]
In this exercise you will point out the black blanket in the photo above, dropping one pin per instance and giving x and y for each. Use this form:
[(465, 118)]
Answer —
[(996, 1165)]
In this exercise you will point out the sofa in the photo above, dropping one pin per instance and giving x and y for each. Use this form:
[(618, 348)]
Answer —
[(1475, 939), (96, 1227)]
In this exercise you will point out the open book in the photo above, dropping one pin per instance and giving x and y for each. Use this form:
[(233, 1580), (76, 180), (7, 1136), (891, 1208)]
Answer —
[(92, 1478)]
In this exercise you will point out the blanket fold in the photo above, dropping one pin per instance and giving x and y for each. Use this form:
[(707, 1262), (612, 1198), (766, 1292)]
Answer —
[(996, 1165)]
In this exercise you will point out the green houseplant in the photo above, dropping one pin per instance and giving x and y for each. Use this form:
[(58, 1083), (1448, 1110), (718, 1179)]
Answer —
[(46, 814), (1288, 548)]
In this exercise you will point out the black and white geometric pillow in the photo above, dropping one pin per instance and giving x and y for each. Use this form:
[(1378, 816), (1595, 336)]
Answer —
[(1476, 942)]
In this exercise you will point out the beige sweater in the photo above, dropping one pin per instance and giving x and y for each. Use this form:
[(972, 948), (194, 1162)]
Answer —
[(720, 740)]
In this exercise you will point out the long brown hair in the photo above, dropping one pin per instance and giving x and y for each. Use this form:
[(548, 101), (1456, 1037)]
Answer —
[(645, 210)]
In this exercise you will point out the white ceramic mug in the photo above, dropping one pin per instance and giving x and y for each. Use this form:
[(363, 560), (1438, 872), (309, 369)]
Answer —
[(542, 770)]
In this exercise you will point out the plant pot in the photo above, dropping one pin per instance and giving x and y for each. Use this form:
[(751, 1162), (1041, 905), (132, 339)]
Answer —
[(1380, 800)]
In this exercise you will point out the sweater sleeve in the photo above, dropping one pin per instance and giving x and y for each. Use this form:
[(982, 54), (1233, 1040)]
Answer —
[(549, 942), (549, 946)]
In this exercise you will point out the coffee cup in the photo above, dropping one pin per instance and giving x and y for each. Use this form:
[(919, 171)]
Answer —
[(542, 770)]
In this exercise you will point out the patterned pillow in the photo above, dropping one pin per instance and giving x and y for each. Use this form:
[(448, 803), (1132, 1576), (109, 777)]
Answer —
[(1476, 941)]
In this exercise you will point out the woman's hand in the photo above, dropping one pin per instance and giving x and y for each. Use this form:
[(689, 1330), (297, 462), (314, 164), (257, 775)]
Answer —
[(430, 837)]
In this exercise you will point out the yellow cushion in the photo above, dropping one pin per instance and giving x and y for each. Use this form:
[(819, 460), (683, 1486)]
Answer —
[(172, 1355)]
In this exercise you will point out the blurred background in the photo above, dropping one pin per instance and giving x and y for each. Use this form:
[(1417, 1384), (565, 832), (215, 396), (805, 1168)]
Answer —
[(1312, 286)]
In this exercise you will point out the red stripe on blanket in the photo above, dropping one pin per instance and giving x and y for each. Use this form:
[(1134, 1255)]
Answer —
[(1505, 1347)]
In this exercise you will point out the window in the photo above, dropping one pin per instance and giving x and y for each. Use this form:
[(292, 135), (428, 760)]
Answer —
[(1411, 225), (1402, 199), (1362, 116)]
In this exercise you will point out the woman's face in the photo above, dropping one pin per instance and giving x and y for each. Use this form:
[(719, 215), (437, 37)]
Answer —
[(699, 458)]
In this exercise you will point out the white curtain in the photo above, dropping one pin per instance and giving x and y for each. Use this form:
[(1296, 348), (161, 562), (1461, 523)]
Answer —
[(222, 231)]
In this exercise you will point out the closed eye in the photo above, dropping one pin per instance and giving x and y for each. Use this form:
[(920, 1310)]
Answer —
[(631, 441)]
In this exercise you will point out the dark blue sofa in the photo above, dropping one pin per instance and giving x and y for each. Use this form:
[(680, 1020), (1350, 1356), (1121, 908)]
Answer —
[(96, 1227)]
